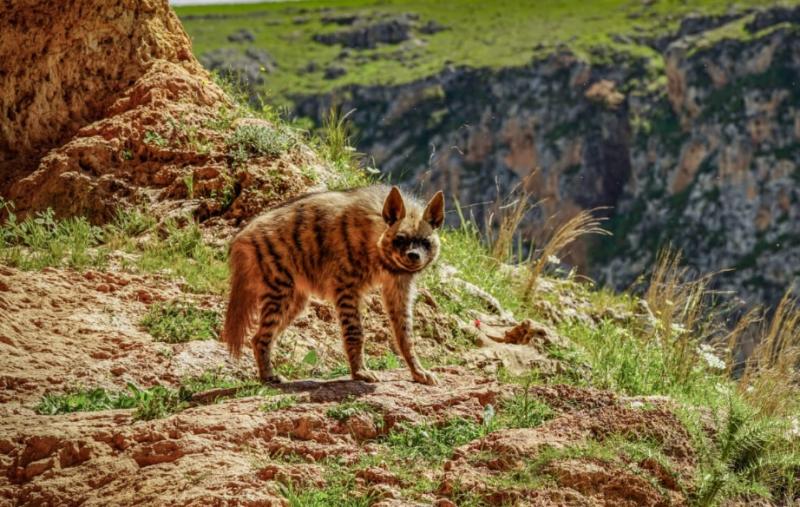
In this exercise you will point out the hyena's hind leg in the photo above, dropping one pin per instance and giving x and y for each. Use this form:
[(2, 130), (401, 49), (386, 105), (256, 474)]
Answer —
[(277, 312), (353, 336)]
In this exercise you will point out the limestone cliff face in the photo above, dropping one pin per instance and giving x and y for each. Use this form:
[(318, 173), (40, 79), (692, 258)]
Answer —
[(702, 152)]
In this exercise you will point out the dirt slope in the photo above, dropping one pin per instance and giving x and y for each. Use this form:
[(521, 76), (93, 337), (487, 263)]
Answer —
[(63, 329)]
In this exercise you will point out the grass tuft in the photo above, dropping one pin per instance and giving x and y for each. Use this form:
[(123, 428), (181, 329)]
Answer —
[(255, 140), (432, 442), (583, 223), (42, 241), (179, 321), (183, 252)]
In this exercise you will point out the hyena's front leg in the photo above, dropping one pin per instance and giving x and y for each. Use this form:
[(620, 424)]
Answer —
[(353, 336), (277, 312), (398, 299)]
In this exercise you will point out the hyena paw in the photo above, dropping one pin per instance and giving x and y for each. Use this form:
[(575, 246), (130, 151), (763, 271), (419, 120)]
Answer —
[(425, 377), (366, 376), (272, 379)]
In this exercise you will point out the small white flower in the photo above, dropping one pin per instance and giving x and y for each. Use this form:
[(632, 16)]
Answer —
[(794, 430), (707, 353), (723, 389), (552, 259), (678, 329)]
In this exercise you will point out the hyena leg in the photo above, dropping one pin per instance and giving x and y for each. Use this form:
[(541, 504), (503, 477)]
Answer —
[(398, 299), (277, 312), (353, 337)]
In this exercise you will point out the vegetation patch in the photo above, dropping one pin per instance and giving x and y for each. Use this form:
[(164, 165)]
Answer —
[(180, 321), (432, 442), (496, 35), (255, 139), (182, 252), (279, 403), (149, 403), (42, 241), (350, 407)]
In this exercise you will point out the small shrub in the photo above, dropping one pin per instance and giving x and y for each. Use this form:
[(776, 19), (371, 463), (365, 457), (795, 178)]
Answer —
[(750, 455), (178, 322), (251, 139)]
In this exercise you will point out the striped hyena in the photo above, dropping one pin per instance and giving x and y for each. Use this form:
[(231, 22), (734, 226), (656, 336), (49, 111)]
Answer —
[(336, 245)]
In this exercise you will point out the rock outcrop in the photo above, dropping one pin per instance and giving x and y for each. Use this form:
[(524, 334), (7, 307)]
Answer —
[(105, 104), (702, 152)]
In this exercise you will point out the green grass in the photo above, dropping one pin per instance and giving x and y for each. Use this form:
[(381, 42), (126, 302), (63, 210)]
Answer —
[(254, 140), (523, 411), (340, 489), (627, 357), (42, 241), (151, 403), (279, 403), (497, 34), (431, 442), (148, 403), (178, 322), (183, 252), (348, 408)]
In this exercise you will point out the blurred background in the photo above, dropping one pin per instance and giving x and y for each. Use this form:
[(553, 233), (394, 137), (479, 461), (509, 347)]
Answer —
[(677, 121)]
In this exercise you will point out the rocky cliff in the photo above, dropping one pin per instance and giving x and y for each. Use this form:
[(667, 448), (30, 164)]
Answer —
[(691, 141)]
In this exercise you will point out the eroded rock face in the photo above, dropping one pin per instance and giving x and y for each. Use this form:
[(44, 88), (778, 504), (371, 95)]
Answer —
[(706, 159), (63, 67), (105, 105)]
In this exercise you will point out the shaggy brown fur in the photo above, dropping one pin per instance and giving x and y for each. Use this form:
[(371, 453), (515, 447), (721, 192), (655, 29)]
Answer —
[(336, 245)]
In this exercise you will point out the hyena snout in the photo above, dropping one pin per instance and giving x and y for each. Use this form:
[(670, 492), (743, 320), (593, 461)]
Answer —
[(414, 255)]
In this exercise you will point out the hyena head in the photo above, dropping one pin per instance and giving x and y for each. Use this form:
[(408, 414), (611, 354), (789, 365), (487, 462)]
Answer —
[(410, 242)]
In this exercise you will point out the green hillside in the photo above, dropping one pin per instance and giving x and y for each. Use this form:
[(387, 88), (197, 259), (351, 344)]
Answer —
[(475, 33)]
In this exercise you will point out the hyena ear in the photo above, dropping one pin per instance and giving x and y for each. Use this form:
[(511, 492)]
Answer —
[(394, 209), (434, 212)]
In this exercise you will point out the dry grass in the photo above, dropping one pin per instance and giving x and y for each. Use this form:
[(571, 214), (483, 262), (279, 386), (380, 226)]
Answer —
[(683, 309), (771, 377), (582, 224), (508, 216)]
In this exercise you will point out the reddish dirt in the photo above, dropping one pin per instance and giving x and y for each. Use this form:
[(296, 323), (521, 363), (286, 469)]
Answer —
[(585, 415), (230, 452), (62, 329), (133, 127)]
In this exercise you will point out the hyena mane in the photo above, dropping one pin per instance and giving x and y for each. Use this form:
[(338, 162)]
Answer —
[(337, 246)]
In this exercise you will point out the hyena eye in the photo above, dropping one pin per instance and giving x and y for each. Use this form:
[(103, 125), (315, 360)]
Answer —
[(400, 241)]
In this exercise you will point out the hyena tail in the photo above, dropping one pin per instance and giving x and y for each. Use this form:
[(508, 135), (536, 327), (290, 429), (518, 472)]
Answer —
[(243, 302)]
